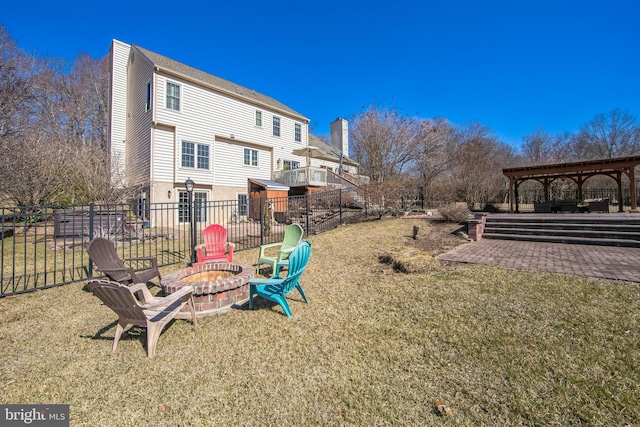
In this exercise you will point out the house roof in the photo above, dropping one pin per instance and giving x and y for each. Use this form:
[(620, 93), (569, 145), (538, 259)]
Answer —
[(269, 185), (330, 152), (182, 70)]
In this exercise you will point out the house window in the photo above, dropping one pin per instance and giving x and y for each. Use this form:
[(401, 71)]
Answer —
[(148, 97), (276, 126), (199, 206), (250, 157), (188, 154), (243, 205), (173, 96), (203, 156), (189, 158), (289, 164), (298, 134), (258, 118)]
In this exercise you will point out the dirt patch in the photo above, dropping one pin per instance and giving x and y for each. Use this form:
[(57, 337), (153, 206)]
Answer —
[(440, 237), (418, 256)]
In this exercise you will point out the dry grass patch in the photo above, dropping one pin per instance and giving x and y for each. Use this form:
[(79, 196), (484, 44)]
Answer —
[(373, 347)]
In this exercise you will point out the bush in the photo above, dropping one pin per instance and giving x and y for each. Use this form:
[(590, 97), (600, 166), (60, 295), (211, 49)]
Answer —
[(454, 213)]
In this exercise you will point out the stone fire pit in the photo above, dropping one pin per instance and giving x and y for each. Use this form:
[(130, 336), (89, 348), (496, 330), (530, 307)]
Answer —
[(216, 286)]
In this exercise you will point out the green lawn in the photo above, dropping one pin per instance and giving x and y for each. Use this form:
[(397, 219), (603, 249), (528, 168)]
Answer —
[(372, 347)]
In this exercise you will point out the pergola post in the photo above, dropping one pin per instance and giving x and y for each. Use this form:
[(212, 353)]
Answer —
[(511, 194), (632, 189), (619, 182)]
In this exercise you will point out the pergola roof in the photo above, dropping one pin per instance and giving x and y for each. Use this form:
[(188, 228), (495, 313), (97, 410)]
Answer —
[(590, 167), (577, 171)]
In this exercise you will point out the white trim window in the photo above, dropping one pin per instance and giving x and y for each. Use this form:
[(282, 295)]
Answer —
[(276, 126), (290, 164), (298, 132), (195, 155), (149, 96), (258, 118), (250, 157), (203, 156), (173, 96)]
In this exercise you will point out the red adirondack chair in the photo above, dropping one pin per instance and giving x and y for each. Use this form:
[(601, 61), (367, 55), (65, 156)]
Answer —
[(215, 246)]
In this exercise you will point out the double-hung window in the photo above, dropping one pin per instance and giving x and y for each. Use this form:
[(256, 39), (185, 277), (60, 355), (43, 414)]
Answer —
[(250, 157), (258, 118), (298, 132), (188, 154), (173, 96), (195, 155), (276, 126), (203, 156)]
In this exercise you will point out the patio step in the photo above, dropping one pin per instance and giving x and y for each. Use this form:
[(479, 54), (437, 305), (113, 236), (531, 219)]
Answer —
[(592, 229)]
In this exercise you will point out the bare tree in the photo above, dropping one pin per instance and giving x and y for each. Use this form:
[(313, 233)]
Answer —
[(431, 158), (390, 196), (477, 164), (607, 136), (53, 126), (382, 141), (16, 86)]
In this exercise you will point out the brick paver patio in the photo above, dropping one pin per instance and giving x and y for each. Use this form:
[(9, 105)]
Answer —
[(606, 262)]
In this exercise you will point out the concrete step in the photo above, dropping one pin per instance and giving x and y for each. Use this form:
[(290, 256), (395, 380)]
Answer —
[(600, 229), (564, 239), (587, 234), (629, 228)]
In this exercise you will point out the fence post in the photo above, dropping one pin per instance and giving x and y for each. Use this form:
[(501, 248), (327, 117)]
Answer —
[(340, 203), (91, 234), (307, 199), (261, 224)]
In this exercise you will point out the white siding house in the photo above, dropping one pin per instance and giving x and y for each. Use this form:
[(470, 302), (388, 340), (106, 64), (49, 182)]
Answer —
[(170, 122)]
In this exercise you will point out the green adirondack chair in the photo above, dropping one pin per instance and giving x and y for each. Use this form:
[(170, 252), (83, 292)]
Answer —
[(276, 288), (292, 236)]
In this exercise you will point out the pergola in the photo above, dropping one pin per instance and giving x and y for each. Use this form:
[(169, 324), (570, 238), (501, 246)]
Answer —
[(579, 172)]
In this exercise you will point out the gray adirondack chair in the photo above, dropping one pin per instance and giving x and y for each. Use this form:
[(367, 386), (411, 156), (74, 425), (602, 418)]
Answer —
[(104, 255), (151, 312)]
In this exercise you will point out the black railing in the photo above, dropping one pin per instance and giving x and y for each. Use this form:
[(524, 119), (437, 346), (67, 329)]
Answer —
[(44, 246)]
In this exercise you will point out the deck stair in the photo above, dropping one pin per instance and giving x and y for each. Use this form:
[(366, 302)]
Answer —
[(613, 229)]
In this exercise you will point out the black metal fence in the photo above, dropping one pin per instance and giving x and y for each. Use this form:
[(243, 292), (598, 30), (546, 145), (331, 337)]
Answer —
[(44, 246), (527, 197)]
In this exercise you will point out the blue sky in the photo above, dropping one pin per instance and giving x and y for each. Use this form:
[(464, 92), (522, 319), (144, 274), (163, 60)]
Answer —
[(514, 66)]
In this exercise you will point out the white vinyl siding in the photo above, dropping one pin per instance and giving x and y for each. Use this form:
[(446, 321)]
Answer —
[(118, 103), (139, 128), (163, 150), (210, 117)]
